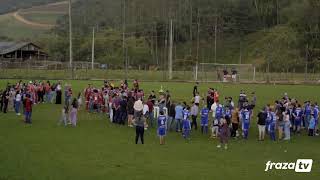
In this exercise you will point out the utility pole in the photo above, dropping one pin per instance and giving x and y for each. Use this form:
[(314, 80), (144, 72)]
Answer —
[(123, 38), (190, 27), (92, 58), (306, 67), (198, 35), (170, 50), (215, 39), (240, 49), (70, 40)]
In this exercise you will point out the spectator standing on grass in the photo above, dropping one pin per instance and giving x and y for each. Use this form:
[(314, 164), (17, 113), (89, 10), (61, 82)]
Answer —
[(5, 101), (17, 104), (79, 99), (12, 95), (150, 105), (194, 114), (58, 93), (262, 116), (178, 117), (130, 109), (74, 113), (47, 89), (139, 121), (287, 125), (272, 125), (312, 126), (280, 124), (307, 114), (145, 113), (123, 110), (28, 102), (235, 122), (171, 115), (224, 134), (64, 116)]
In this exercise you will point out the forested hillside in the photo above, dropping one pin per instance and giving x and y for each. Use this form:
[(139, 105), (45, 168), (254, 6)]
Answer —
[(283, 32), (12, 5)]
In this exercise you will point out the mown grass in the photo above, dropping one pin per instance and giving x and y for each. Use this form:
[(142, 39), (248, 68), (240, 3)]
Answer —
[(97, 149)]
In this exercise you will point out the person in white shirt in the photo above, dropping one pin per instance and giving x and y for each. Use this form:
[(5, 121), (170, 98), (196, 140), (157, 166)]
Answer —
[(145, 112), (17, 105), (197, 99), (213, 109)]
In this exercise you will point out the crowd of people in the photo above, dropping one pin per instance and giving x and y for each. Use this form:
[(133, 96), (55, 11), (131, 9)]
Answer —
[(133, 107)]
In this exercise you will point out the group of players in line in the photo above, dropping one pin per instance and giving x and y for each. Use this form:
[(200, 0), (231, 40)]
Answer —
[(132, 106)]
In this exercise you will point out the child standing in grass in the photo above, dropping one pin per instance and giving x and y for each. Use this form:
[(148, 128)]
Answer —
[(73, 113), (246, 122), (224, 134), (28, 109), (79, 99), (297, 119), (64, 116), (204, 120), (272, 125), (162, 126), (186, 125), (194, 115), (312, 125)]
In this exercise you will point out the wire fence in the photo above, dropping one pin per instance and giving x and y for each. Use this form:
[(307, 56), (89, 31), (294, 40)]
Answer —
[(187, 72)]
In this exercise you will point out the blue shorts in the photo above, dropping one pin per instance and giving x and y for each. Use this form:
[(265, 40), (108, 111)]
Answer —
[(297, 122), (204, 122), (162, 131)]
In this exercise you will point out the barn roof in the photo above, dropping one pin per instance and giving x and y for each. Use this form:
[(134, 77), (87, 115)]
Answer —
[(7, 47)]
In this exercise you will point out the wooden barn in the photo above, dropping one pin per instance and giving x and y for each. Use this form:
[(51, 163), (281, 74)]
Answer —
[(21, 51)]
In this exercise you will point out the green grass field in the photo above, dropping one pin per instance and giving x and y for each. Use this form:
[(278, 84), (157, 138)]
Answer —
[(96, 149)]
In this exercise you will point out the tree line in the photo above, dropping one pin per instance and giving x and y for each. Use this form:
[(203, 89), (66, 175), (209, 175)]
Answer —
[(282, 35)]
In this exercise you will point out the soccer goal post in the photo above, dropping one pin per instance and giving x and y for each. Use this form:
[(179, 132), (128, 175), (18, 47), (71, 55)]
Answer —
[(225, 72)]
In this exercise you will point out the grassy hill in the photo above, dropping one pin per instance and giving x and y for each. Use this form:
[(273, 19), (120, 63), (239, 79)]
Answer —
[(32, 22)]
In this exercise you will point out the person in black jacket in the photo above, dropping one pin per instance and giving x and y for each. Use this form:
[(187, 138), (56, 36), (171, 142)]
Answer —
[(262, 116), (1, 100), (5, 100)]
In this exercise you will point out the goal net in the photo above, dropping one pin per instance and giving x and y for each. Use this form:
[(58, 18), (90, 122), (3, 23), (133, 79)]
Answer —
[(224, 72)]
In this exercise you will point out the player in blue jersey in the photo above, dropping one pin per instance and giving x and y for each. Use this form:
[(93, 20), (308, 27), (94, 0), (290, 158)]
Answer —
[(228, 114), (204, 120), (219, 112), (272, 125), (316, 117), (162, 127), (186, 125), (245, 114), (297, 115)]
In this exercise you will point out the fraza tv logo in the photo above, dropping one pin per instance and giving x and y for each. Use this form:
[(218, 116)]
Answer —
[(302, 165)]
